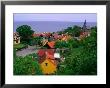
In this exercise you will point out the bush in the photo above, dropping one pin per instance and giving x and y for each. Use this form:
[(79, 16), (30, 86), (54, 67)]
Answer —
[(81, 60), (61, 44), (35, 41), (26, 66), (19, 46), (73, 43)]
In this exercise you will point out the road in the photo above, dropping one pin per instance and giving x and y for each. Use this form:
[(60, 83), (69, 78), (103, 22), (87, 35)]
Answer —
[(24, 52)]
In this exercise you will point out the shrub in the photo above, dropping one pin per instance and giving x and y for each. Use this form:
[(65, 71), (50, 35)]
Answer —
[(82, 60), (61, 44), (19, 46), (26, 66)]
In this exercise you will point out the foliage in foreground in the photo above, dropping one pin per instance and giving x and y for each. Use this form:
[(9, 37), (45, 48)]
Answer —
[(26, 66), (81, 60), (19, 46)]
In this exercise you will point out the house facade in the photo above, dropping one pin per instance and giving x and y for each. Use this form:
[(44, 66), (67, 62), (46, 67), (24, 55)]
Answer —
[(16, 39), (48, 66)]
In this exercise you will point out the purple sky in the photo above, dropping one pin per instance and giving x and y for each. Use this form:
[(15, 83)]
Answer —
[(65, 17)]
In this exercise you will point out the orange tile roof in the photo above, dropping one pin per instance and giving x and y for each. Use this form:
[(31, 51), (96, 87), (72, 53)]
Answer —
[(51, 44)]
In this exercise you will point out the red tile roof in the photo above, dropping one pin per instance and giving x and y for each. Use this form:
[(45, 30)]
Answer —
[(50, 53), (36, 35), (41, 52)]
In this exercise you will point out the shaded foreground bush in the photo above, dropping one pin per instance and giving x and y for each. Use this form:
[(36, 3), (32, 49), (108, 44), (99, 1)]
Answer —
[(81, 60), (26, 66)]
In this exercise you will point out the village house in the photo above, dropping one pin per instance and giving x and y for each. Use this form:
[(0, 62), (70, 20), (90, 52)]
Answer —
[(47, 61), (16, 38), (48, 44)]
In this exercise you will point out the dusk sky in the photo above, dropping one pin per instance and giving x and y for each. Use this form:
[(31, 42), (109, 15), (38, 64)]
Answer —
[(67, 17)]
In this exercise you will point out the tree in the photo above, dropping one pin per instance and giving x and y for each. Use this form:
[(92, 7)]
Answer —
[(61, 44), (36, 41), (25, 33), (73, 31), (69, 30), (73, 43), (76, 31), (81, 60)]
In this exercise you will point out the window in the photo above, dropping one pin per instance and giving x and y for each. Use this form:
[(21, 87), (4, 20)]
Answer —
[(46, 64)]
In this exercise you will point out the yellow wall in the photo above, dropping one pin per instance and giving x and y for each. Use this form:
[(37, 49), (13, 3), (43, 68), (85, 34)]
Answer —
[(18, 41), (49, 69)]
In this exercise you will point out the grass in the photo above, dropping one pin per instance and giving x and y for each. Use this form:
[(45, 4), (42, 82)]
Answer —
[(19, 46)]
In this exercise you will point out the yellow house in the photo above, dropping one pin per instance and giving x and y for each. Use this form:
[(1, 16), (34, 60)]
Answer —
[(48, 66)]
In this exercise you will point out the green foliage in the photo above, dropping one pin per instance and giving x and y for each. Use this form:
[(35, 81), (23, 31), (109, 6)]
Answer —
[(76, 31), (25, 33), (35, 56), (73, 43), (35, 41), (26, 66), (19, 46), (81, 60), (73, 31), (14, 53), (61, 44)]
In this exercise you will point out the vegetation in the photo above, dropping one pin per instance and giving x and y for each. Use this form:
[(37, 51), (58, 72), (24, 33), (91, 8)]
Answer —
[(35, 41), (81, 60), (61, 44), (71, 43), (73, 31), (19, 46), (26, 66), (25, 33)]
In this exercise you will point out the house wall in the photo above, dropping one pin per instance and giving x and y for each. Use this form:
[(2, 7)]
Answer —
[(49, 69), (18, 40)]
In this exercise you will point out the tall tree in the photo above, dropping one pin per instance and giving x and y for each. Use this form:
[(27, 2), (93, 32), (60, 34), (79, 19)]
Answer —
[(76, 31), (25, 33)]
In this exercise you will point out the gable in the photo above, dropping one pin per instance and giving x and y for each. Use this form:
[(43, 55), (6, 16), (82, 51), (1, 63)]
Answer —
[(48, 67)]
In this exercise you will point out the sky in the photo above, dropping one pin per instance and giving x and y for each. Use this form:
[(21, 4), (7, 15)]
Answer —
[(63, 17)]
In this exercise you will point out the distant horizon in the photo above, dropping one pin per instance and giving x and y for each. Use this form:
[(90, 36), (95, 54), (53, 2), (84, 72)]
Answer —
[(50, 26)]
